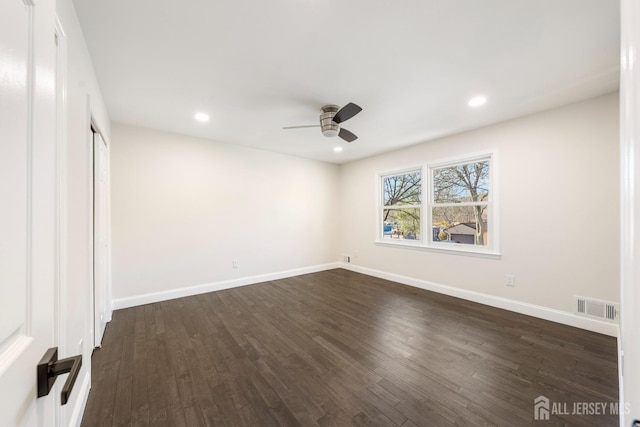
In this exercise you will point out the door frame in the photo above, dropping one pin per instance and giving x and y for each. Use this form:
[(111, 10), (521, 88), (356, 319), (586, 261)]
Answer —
[(61, 204), (629, 341), (95, 129)]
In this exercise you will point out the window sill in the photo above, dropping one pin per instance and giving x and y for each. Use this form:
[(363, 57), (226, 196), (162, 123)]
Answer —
[(456, 249)]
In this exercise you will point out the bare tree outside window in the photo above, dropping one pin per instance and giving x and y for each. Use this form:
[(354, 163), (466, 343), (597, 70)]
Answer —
[(454, 209), (460, 201), (402, 195)]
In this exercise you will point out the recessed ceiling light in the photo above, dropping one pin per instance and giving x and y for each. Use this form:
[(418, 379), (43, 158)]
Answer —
[(338, 149), (202, 117), (477, 101)]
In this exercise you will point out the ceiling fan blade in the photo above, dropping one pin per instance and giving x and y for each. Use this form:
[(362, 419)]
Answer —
[(346, 112), (346, 135), (300, 127)]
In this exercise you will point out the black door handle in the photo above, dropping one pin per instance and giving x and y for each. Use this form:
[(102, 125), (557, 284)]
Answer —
[(50, 367)]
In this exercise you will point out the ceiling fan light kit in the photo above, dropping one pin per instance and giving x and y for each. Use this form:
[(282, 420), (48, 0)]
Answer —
[(330, 119), (328, 127)]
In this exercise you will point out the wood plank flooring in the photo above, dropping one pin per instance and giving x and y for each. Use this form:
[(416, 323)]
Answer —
[(338, 348)]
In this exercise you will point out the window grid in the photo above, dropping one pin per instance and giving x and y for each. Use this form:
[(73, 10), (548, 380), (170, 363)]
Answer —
[(477, 234)]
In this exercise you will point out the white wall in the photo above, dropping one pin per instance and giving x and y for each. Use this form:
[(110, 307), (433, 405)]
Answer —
[(184, 208), (83, 100), (559, 196)]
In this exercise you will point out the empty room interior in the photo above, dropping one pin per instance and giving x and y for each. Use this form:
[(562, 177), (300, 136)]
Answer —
[(330, 213)]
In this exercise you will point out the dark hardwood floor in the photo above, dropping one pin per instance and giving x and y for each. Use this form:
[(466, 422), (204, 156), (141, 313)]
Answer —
[(340, 348)]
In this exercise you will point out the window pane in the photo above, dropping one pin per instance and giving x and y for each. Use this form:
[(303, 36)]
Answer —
[(460, 224), (467, 182), (401, 224), (402, 189)]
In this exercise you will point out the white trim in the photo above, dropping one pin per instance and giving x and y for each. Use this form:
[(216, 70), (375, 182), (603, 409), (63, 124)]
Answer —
[(109, 313), (89, 340), (461, 159), (454, 249), (120, 303), (493, 248), (381, 207), (81, 403), (61, 204), (31, 76), (103, 296), (61, 225), (629, 209), (491, 251), (459, 204), (540, 312), (418, 167)]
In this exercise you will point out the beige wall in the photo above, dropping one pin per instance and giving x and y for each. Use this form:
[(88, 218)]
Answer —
[(184, 208), (559, 208)]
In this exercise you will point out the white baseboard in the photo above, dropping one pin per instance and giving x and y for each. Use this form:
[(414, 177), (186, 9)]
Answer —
[(216, 286), (78, 410), (541, 312)]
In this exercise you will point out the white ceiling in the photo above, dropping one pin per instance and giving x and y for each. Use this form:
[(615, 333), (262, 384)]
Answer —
[(256, 66)]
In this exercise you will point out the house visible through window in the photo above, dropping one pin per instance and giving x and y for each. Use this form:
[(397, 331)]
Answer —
[(460, 203), (456, 211), (401, 214)]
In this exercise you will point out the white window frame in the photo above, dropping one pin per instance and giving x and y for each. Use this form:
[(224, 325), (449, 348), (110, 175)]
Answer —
[(491, 250), (382, 207)]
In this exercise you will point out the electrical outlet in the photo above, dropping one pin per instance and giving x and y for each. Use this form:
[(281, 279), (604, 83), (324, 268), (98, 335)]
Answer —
[(510, 280), (236, 263), (346, 258)]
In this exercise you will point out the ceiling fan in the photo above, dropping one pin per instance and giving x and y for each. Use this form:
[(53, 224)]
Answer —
[(330, 119)]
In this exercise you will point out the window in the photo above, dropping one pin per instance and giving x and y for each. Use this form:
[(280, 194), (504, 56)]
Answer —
[(453, 211), (459, 203), (402, 205)]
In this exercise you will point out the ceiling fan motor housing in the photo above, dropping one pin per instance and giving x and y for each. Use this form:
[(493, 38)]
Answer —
[(328, 127)]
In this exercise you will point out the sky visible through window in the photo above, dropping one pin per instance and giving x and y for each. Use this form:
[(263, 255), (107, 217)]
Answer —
[(457, 204)]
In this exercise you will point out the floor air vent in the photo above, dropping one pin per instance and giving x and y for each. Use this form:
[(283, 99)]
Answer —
[(596, 309)]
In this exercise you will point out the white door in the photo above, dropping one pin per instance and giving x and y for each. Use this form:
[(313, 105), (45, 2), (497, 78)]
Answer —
[(100, 237), (27, 207)]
